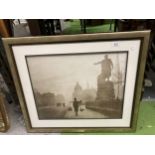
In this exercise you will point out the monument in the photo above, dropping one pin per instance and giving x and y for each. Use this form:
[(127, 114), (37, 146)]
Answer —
[(105, 87), (107, 99)]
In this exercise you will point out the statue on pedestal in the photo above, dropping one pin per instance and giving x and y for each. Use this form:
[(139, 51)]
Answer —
[(105, 87)]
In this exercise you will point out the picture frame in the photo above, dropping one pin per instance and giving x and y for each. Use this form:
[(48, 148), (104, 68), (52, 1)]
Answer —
[(4, 120), (79, 83)]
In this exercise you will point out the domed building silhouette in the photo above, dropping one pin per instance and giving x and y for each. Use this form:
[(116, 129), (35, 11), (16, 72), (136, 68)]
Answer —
[(85, 95)]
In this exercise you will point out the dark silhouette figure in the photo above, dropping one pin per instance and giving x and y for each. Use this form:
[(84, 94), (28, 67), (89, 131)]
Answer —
[(76, 106), (106, 67)]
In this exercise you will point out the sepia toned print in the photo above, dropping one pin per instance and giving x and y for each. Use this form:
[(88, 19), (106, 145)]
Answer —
[(78, 86)]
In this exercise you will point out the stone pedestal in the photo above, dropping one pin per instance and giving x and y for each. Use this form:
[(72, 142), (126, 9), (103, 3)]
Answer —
[(105, 90)]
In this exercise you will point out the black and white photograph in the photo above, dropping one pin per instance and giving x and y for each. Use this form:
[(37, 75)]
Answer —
[(79, 83), (78, 86)]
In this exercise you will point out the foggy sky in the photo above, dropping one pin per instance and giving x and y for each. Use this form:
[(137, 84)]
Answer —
[(59, 74)]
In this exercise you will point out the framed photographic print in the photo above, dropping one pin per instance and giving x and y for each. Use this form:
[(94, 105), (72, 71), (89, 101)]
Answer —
[(79, 83), (4, 121)]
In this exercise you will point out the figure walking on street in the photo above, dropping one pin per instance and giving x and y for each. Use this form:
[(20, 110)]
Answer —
[(76, 106)]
